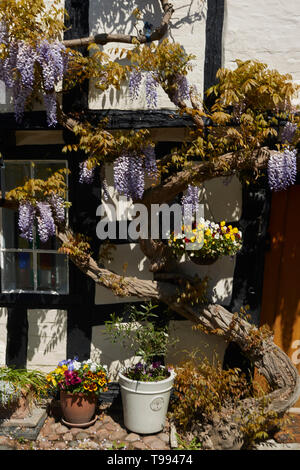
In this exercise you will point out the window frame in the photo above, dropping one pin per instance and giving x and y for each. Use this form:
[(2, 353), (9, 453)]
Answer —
[(34, 251)]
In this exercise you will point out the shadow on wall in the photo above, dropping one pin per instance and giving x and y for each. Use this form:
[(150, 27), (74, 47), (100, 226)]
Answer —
[(120, 18), (108, 16), (114, 355), (46, 336)]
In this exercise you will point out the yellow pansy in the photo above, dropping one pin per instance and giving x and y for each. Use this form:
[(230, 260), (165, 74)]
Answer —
[(232, 238), (208, 232), (227, 235), (235, 230), (222, 223)]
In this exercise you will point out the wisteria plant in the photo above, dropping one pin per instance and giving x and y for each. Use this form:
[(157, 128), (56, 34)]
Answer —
[(246, 125)]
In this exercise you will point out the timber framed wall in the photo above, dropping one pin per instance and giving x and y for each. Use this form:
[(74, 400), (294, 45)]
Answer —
[(76, 320)]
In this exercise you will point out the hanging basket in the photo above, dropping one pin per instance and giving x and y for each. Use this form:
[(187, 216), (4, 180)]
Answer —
[(205, 260)]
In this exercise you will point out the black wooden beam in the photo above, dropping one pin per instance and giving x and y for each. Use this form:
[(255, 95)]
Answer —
[(17, 337), (213, 44), (249, 267)]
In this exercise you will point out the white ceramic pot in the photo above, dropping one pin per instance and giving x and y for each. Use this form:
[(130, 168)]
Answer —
[(145, 404)]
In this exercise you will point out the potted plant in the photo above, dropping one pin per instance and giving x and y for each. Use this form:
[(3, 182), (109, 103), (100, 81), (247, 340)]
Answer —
[(146, 386), (216, 239), (79, 385), (20, 389)]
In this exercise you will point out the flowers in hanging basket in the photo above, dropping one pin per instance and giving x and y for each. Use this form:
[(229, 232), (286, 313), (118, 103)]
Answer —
[(73, 376), (216, 239)]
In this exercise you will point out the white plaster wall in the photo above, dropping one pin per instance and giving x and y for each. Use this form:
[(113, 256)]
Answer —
[(114, 355), (187, 27), (3, 334), (46, 338), (137, 265), (189, 340), (263, 30)]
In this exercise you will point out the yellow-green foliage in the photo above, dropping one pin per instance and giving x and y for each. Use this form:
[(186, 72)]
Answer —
[(202, 389), (104, 146), (37, 189), (33, 20), (77, 247)]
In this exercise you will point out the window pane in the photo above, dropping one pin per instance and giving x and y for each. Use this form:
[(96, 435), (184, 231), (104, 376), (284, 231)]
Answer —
[(52, 272), (50, 244), (43, 170), (16, 174), (17, 272), (10, 230)]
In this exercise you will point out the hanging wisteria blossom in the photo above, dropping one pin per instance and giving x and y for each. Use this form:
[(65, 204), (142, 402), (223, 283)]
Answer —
[(50, 104), (135, 81), (46, 225), (151, 85), (17, 70), (86, 175), (150, 161), (3, 33), (58, 207), (288, 132), (282, 170), (26, 219), (190, 201), (105, 189), (183, 90), (129, 176)]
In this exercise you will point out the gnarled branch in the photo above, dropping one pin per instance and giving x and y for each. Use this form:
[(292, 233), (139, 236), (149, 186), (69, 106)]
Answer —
[(105, 38)]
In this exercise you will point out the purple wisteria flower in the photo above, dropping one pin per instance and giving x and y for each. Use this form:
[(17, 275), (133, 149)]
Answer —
[(183, 90), (51, 57), (8, 66), (129, 176), (135, 80), (3, 33), (86, 174), (105, 189), (17, 70), (26, 58), (150, 161), (20, 94), (26, 220), (282, 170), (51, 107), (190, 201), (151, 90), (58, 207), (288, 132), (46, 225)]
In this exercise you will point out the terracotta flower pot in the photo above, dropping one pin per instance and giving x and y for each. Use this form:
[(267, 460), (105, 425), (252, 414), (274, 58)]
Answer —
[(78, 408)]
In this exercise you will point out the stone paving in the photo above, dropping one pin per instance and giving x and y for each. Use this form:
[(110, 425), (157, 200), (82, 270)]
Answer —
[(108, 433)]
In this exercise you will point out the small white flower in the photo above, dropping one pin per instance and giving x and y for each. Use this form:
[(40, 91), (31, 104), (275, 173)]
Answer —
[(76, 365), (93, 367)]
